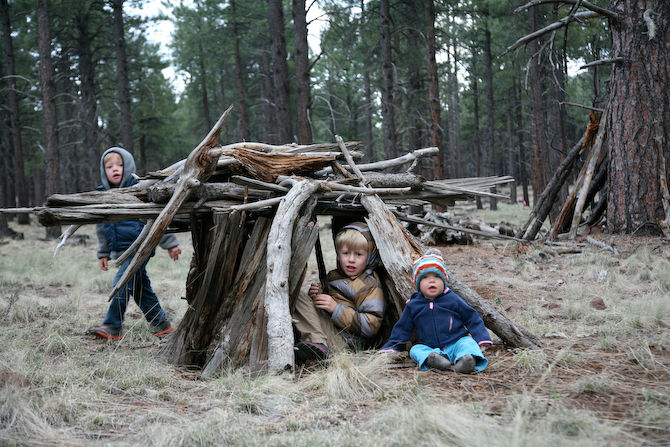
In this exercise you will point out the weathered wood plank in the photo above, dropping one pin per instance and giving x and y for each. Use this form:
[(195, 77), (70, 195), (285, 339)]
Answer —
[(279, 326)]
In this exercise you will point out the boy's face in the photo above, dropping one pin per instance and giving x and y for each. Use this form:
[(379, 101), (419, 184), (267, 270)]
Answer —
[(431, 285), (114, 168), (352, 262)]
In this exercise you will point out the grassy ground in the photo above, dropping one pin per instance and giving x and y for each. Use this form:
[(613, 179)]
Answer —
[(601, 379)]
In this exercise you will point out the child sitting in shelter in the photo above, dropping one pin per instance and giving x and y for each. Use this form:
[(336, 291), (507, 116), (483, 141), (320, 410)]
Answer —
[(449, 330), (349, 312), (117, 167)]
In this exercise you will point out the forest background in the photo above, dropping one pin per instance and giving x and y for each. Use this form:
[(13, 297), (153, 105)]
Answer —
[(395, 75)]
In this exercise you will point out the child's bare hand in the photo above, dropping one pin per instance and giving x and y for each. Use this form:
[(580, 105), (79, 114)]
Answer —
[(314, 290), (103, 263), (174, 253), (325, 302)]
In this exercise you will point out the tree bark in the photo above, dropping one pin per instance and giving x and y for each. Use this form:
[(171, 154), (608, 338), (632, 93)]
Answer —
[(203, 87), (280, 70), (388, 112), (122, 77), (434, 90), (14, 114), (639, 105), (475, 137), (490, 152), (243, 122), (303, 96), (51, 155), (89, 102), (538, 113)]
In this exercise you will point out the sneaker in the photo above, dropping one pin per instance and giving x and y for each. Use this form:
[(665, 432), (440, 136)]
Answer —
[(306, 351), (162, 328), (437, 361), (106, 332), (465, 364)]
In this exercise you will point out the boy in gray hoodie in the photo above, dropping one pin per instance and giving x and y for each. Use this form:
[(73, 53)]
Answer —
[(117, 167)]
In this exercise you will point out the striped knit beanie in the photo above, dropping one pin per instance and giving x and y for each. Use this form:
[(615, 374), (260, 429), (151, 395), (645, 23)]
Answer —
[(429, 263)]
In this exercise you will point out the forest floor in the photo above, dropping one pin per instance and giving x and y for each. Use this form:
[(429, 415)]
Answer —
[(602, 376)]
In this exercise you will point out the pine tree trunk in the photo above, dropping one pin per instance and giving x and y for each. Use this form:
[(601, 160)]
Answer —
[(243, 122), (490, 152), (538, 113), (203, 87), (476, 139), (51, 156), (122, 77), (89, 125), (369, 141), (303, 97), (280, 70), (639, 119), (14, 116), (388, 114), (434, 90)]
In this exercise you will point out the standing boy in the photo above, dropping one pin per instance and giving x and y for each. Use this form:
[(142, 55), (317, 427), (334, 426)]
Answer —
[(449, 330), (349, 312), (117, 167)]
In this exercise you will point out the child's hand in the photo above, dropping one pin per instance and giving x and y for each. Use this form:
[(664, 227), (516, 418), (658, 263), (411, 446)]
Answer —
[(103, 263), (314, 290), (174, 252), (325, 302)]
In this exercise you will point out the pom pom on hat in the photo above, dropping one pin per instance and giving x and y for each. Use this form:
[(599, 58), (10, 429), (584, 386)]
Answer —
[(431, 262)]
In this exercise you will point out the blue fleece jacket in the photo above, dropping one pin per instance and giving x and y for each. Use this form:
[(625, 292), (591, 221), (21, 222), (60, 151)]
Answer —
[(438, 322)]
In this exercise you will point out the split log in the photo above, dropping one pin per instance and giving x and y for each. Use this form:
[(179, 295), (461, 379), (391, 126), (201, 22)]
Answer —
[(268, 167), (279, 324)]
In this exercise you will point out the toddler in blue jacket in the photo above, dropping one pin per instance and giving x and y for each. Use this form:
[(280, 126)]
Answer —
[(117, 167), (449, 330)]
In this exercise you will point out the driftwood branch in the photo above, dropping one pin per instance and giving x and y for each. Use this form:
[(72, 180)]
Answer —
[(63, 237), (385, 164), (279, 325)]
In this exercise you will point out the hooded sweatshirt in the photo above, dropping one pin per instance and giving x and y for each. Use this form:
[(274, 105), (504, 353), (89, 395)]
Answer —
[(359, 300), (114, 238)]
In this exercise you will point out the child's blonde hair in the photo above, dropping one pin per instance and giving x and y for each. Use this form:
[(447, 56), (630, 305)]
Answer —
[(110, 154), (352, 239)]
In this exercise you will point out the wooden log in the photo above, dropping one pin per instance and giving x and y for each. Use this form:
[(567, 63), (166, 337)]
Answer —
[(117, 196), (162, 193), (217, 242), (279, 326), (268, 167)]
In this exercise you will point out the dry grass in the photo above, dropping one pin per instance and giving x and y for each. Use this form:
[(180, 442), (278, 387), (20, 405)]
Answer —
[(601, 378)]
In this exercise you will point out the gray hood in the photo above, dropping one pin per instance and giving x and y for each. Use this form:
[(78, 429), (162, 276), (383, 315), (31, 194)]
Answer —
[(128, 166)]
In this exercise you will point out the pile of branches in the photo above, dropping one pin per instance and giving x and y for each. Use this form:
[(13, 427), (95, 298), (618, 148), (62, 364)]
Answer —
[(255, 177)]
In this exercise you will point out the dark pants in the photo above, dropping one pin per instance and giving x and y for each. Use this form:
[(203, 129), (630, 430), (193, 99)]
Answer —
[(139, 287)]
